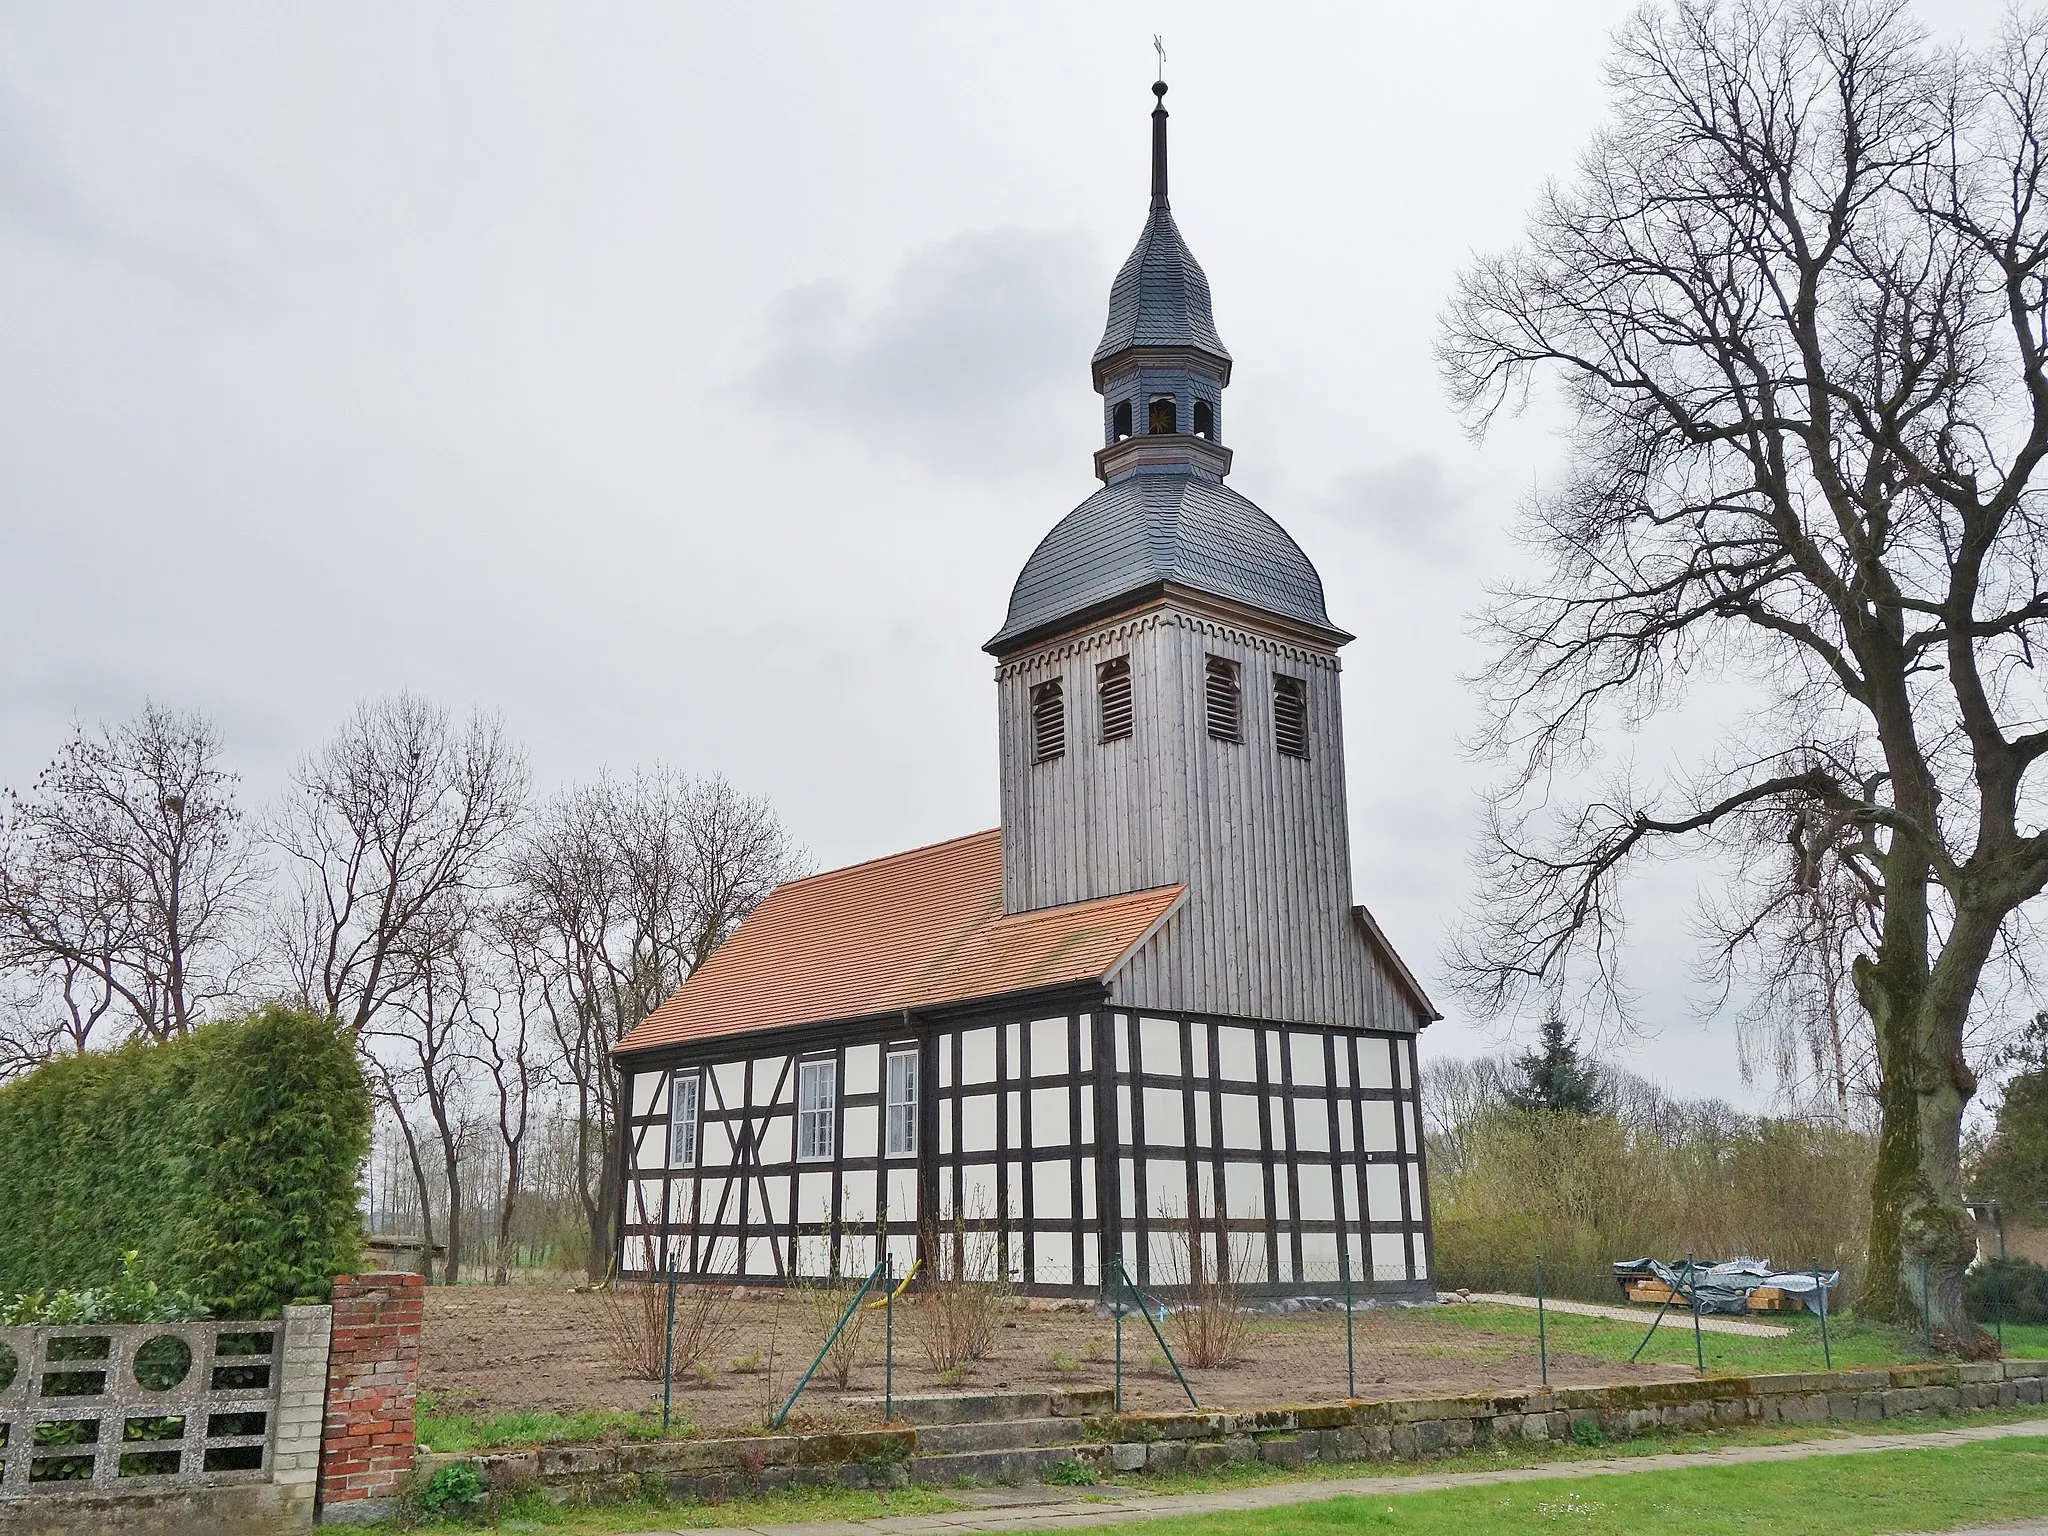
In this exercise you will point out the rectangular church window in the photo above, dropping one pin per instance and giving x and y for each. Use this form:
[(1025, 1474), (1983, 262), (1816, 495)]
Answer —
[(817, 1098), (682, 1120), (1221, 694), (1290, 715), (1113, 692), (900, 1081), (1048, 722)]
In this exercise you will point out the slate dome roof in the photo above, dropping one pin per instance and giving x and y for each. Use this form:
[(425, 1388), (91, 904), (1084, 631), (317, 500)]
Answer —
[(1161, 297), (1146, 529)]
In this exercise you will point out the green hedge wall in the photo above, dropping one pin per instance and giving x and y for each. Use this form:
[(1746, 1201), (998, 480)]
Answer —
[(227, 1159)]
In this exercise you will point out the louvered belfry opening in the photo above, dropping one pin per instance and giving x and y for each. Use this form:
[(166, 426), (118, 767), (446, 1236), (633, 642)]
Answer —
[(1225, 715), (1048, 721), (1290, 715), (1113, 694)]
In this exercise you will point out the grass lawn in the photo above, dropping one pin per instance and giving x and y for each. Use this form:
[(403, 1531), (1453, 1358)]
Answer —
[(1851, 1342), (1860, 1495), (458, 1432), (792, 1507)]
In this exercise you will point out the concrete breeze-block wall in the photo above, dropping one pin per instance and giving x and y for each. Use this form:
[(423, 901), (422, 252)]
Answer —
[(366, 1447)]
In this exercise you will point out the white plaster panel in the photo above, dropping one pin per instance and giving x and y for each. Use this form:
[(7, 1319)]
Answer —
[(1307, 1053), (1164, 1122), (946, 1130), (649, 1092), (775, 1191), (1120, 1027), (1280, 1205), (1276, 1121), (1124, 1133), (1375, 1066), (1198, 1046), (1166, 1188), (1317, 1202), (945, 1064), (719, 1258), (1205, 1119), (863, 1069), (1343, 1062), (814, 1256), (902, 1251), (1383, 1192), (860, 1200), (1013, 1049), (860, 1125), (1319, 1255), (1237, 1054), (1052, 1192), (978, 1123), (1408, 1125), (1052, 1261), (710, 1192), (768, 1078), (977, 1057), (1415, 1189), (1169, 1260), (902, 1187), (1048, 1047), (1389, 1256), (1127, 1183), (777, 1139), (1402, 1050), (1087, 1116), (1091, 1258), (1379, 1125), (857, 1254), (1347, 1130), (714, 1145), (1013, 1192), (979, 1196), (650, 1146), (1049, 1126), (1241, 1122), (1159, 1046), (730, 1079), (813, 1198), (1275, 1044), (1087, 1061), (1311, 1125)]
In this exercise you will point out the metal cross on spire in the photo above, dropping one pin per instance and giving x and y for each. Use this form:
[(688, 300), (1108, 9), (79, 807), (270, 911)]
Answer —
[(1159, 47)]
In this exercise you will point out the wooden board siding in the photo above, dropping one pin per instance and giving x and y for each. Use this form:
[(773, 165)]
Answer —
[(1260, 838)]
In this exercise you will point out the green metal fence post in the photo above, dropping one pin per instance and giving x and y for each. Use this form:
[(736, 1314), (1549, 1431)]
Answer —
[(1692, 1285), (1350, 1349), (1116, 1307), (668, 1344), (1165, 1348), (888, 1337), (1998, 1304), (819, 1359), (1542, 1339), (1926, 1312), (1827, 1355)]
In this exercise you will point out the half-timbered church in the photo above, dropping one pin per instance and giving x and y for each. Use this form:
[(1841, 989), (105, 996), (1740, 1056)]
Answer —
[(1147, 996)]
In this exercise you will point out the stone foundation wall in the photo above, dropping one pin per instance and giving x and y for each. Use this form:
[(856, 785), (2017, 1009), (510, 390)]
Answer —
[(1410, 1429)]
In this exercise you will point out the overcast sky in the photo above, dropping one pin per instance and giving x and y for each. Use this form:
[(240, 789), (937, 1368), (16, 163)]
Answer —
[(688, 383)]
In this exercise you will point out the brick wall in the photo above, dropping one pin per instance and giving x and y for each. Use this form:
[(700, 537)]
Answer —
[(366, 1445)]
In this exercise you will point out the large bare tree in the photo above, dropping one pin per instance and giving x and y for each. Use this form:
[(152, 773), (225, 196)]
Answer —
[(628, 885), (1795, 306), (126, 885), (396, 818)]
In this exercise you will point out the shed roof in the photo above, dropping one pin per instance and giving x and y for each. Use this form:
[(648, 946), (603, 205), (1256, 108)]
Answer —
[(915, 930)]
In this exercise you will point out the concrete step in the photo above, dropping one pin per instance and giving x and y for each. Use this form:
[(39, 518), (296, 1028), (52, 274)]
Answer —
[(988, 1407), (997, 1435), (1018, 1466)]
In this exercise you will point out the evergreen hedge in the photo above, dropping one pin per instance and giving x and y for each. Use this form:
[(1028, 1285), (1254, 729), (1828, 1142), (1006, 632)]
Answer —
[(227, 1159)]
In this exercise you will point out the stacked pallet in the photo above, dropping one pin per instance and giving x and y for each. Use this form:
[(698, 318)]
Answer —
[(1650, 1292)]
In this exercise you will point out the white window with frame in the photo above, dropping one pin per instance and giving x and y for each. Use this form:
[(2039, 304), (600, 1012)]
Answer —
[(817, 1097), (899, 1083), (683, 1093)]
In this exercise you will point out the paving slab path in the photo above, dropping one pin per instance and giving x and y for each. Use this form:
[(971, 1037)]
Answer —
[(1058, 1509), (1678, 1315)]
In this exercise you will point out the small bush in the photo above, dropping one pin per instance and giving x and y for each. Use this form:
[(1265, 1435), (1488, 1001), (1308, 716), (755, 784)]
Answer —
[(635, 1323), (1586, 1432), (133, 1298), (826, 1303), (2014, 1290), (453, 1489), (960, 1309), (1072, 1473)]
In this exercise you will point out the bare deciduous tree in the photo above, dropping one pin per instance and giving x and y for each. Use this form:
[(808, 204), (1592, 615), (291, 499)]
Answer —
[(126, 880), (630, 884), (1796, 300), (396, 816)]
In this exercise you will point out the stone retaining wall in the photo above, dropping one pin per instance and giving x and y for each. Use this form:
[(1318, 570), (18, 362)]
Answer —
[(1398, 1428), (1411, 1429)]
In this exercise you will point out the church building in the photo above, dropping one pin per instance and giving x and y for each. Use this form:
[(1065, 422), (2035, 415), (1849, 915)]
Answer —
[(1144, 1012)]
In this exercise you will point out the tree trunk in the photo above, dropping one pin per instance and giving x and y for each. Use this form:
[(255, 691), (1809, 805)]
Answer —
[(1921, 1236), (512, 1170), (419, 1179), (451, 1163)]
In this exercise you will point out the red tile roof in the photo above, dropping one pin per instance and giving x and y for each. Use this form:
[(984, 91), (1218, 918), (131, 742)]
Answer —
[(915, 930)]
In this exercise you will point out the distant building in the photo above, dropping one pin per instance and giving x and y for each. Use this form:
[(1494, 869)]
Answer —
[(1146, 996)]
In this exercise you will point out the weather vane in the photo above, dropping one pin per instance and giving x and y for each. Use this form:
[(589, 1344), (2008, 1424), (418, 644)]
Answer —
[(1159, 47)]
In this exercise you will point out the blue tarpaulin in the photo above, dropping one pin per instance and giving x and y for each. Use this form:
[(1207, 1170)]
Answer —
[(1726, 1287)]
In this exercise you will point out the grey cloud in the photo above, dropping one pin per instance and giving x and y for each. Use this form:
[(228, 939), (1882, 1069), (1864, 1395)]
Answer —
[(975, 356), (1409, 505)]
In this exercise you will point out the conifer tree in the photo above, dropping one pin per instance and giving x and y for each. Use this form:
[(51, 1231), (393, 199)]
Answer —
[(1555, 1077)]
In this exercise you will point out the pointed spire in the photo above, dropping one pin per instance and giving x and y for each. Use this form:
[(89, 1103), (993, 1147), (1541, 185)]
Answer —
[(1159, 145)]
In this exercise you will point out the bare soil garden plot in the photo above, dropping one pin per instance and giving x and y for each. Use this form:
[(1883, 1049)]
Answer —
[(489, 1350)]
